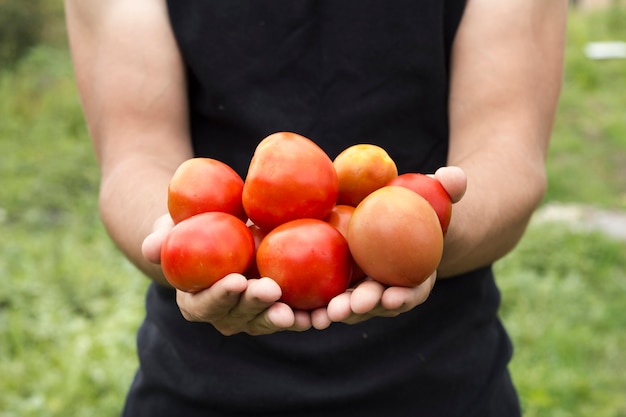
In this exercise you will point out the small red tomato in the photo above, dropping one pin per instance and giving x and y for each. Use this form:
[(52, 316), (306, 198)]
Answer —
[(340, 218), (201, 185), (432, 190), (310, 261), (289, 177), (395, 236), (204, 248)]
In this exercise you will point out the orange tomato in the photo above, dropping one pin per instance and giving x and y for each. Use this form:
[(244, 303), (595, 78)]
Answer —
[(432, 190), (395, 237)]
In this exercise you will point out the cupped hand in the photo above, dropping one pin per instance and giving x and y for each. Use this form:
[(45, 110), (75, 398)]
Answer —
[(371, 299), (233, 304)]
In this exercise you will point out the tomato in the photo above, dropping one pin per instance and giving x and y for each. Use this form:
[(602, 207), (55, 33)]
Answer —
[(310, 261), (362, 169), (204, 248), (340, 218), (395, 236), (432, 190), (204, 184), (258, 234), (289, 177)]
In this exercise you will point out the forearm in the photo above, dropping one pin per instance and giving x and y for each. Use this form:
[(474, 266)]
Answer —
[(133, 195), (502, 193), (506, 72)]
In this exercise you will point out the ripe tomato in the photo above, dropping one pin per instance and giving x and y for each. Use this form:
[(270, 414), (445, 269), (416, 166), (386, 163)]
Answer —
[(432, 190), (340, 218), (204, 184), (289, 177), (204, 248), (395, 236), (362, 169), (309, 259)]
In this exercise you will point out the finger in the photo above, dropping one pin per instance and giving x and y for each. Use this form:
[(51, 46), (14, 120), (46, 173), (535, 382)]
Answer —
[(151, 245), (303, 321), (338, 308), (401, 299), (213, 303), (366, 296), (454, 180), (259, 295), (320, 319), (278, 316)]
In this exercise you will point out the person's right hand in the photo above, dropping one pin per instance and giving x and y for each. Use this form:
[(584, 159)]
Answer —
[(233, 304)]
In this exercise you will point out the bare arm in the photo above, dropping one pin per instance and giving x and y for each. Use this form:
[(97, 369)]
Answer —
[(131, 83), (506, 79)]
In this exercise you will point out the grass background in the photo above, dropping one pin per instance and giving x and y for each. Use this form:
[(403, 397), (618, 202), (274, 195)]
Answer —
[(70, 304)]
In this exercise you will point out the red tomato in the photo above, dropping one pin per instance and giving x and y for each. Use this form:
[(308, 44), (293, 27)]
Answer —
[(201, 185), (289, 177), (340, 218), (395, 236), (309, 259), (432, 190), (204, 248)]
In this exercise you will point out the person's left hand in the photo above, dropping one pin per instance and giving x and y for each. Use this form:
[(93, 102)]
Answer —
[(372, 299)]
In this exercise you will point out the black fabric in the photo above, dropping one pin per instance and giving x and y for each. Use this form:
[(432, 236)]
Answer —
[(339, 72)]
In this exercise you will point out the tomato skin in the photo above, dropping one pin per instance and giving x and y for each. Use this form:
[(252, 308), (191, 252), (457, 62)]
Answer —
[(362, 169), (340, 218), (289, 177), (204, 248), (310, 261), (432, 190), (201, 185), (395, 237)]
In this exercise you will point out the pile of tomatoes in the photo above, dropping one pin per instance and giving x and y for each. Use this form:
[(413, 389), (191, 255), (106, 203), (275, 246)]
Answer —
[(314, 225)]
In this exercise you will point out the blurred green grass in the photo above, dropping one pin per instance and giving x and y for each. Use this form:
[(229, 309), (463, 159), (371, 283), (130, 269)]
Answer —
[(70, 304)]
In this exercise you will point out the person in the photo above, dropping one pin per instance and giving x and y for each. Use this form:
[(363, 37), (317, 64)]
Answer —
[(464, 89)]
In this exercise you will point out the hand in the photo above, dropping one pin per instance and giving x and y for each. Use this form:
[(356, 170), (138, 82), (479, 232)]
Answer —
[(234, 304), (371, 299)]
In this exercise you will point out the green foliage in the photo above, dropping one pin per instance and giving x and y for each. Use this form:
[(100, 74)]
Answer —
[(69, 303), (563, 300), (20, 28), (591, 122)]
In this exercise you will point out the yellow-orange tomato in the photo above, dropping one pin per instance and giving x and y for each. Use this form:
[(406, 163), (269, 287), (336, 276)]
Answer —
[(340, 218), (395, 237), (362, 169), (290, 177)]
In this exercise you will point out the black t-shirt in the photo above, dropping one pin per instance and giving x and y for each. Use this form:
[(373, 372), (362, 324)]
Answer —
[(339, 72)]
